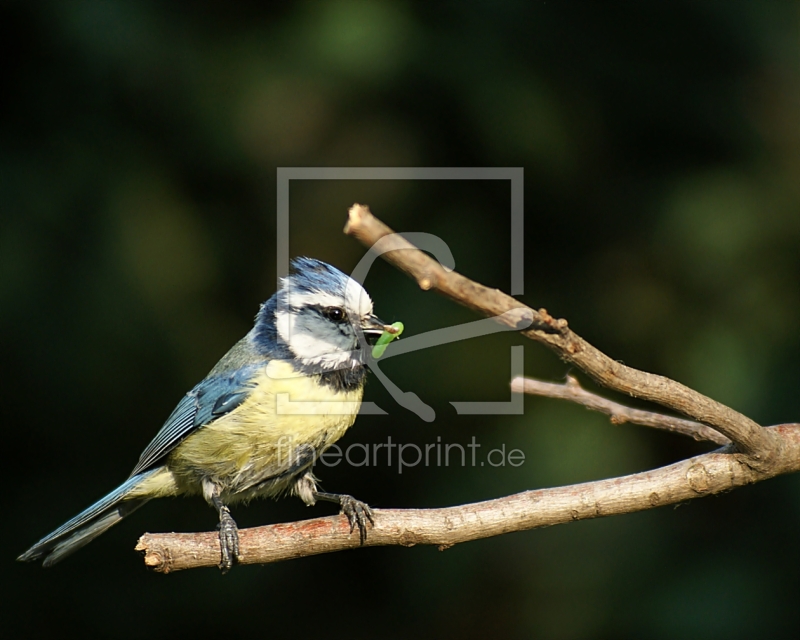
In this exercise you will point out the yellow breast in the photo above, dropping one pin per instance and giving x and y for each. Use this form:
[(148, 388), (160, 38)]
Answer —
[(285, 418)]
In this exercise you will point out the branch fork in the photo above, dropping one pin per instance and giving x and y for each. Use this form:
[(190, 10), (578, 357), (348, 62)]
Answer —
[(749, 453)]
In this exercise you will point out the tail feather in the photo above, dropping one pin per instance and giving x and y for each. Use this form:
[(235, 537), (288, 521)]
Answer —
[(88, 524)]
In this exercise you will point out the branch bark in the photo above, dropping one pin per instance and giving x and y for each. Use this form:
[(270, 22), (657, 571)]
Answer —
[(754, 453), (572, 390), (696, 477), (759, 445)]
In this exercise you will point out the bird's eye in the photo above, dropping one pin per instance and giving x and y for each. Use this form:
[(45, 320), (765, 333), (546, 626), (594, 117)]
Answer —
[(335, 314)]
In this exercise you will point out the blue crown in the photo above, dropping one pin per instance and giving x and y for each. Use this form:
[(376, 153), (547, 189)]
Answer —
[(308, 275)]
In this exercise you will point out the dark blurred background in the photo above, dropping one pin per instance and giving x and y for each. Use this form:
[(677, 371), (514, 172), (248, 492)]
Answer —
[(661, 146)]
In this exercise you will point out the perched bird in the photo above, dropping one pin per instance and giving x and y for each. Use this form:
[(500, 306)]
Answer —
[(256, 424)]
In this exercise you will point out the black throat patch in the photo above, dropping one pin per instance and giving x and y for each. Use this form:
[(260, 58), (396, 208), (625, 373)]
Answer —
[(348, 379)]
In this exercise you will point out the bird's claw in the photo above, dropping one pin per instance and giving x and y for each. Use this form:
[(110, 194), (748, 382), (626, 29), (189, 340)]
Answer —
[(228, 540), (358, 513)]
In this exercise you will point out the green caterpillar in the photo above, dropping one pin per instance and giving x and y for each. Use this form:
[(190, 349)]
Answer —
[(386, 338)]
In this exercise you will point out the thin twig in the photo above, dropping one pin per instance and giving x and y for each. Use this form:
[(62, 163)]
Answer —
[(756, 443), (572, 390)]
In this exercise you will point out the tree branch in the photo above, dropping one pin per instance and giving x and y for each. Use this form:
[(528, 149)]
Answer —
[(754, 455), (697, 477), (757, 444), (572, 390)]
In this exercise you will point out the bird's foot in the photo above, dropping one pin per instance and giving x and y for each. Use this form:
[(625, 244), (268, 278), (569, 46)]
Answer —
[(228, 540), (358, 513)]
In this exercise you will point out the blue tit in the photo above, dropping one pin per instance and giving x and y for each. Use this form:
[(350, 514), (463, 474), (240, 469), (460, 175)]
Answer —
[(256, 424)]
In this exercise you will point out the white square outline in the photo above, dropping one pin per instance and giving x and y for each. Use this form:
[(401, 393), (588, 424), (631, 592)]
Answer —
[(514, 174)]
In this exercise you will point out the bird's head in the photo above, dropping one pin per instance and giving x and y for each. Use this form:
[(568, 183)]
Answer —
[(319, 314)]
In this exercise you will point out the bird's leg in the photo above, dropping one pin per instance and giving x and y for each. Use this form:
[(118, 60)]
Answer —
[(357, 512), (228, 537), (228, 531)]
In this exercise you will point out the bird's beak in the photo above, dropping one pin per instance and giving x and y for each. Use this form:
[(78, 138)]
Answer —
[(373, 327)]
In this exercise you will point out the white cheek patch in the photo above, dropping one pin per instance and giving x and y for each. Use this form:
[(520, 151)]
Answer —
[(315, 341)]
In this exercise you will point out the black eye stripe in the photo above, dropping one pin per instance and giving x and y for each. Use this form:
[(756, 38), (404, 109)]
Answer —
[(334, 314)]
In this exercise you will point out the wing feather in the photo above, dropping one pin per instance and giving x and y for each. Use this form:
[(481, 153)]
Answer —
[(212, 398)]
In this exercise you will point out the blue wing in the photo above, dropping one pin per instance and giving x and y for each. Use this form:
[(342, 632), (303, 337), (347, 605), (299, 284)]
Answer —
[(213, 397)]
